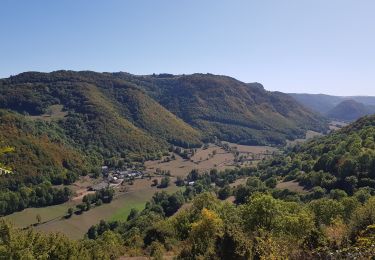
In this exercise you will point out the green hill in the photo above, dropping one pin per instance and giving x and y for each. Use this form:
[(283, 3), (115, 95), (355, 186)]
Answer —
[(344, 160), (229, 109), (102, 113)]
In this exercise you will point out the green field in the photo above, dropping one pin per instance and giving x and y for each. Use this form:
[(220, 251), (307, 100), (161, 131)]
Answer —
[(27, 217), (137, 200), (76, 226)]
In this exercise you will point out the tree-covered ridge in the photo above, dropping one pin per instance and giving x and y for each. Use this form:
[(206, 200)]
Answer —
[(40, 156), (101, 106), (36, 146), (229, 109), (216, 105), (344, 159)]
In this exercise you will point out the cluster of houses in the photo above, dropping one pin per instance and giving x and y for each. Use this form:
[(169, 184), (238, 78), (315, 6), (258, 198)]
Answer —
[(119, 176), (116, 177)]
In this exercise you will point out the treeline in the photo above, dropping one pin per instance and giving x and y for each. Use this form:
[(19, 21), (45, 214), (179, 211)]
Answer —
[(40, 195)]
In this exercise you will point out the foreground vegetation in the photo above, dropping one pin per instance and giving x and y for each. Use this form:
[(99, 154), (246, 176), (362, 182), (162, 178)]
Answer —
[(263, 227), (263, 223), (29, 244)]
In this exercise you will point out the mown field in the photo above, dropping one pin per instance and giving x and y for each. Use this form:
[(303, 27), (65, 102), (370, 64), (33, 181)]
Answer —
[(203, 160)]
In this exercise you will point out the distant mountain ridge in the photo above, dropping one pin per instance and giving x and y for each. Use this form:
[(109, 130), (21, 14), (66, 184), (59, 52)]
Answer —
[(351, 107), (350, 110)]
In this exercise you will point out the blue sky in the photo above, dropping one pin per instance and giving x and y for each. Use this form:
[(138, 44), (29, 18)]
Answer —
[(319, 46)]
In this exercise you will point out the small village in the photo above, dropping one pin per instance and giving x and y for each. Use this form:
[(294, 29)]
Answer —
[(115, 177)]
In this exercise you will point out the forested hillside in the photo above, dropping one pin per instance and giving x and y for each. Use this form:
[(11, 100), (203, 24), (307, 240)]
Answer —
[(229, 109), (342, 160), (106, 111)]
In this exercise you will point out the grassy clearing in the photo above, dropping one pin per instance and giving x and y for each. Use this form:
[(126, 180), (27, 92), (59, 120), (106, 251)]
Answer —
[(292, 186), (201, 161), (138, 201), (336, 125), (207, 159), (309, 135), (27, 217), (238, 182), (254, 149), (54, 112)]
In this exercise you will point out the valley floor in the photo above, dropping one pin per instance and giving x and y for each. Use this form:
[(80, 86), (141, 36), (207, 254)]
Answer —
[(53, 219), (136, 195)]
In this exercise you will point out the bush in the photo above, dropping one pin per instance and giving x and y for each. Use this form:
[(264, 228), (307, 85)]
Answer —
[(155, 182), (164, 183), (70, 212), (224, 193)]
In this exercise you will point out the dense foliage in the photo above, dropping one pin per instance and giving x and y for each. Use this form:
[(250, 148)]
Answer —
[(104, 114), (28, 244), (39, 195), (65, 124), (229, 109), (261, 228), (342, 160), (39, 157)]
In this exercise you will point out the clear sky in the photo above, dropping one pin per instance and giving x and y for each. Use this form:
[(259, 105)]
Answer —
[(313, 46)]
